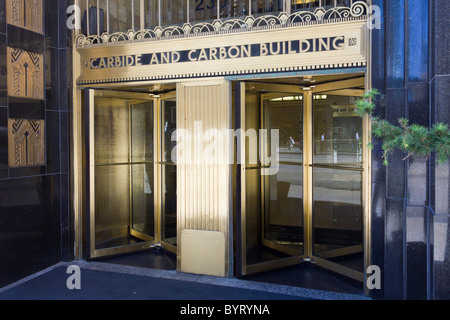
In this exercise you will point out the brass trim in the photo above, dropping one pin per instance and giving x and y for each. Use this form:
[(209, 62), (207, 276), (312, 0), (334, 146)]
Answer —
[(367, 160), (350, 273), (285, 249), (91, 164), (339, 252), (272, 265), (338, 85), (242, 144), (160, 166), (100, 253), (141, 235), (308, 172), (326, 166)]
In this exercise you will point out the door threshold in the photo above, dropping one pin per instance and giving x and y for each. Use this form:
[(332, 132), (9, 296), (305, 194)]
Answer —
[(310, 276)]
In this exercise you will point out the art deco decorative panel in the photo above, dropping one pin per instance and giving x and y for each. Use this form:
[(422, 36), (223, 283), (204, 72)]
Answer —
[(25, 74), (26, 142), (25, 14)]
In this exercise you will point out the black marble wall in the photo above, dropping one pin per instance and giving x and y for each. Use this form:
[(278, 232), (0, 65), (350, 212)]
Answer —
[(35, 222), (410, 217)]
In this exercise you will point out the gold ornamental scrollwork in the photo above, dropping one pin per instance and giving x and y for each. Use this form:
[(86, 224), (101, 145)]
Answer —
[(357, 11)]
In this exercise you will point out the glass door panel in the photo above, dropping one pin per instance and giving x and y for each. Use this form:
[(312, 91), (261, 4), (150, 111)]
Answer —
[(142, 164), (169, 171), (337, 174), (111, 170), (121, 165), (283, 190), (337, 131), (272, 193), (311, 207)]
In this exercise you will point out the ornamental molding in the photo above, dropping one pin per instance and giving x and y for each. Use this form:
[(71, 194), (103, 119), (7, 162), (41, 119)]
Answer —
[(358, 11)]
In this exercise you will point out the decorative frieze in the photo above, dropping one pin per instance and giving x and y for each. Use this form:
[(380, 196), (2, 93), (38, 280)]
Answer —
[(25, 74), (26, 146), (27, 14), (357, 11)]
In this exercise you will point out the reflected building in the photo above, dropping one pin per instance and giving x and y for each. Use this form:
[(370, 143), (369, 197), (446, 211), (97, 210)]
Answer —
[(224, 133)]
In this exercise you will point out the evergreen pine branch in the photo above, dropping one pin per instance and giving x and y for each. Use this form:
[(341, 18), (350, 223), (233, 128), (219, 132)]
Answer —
[(410, 139)]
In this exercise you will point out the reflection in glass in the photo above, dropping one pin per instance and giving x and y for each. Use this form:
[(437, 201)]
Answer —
[(283, 192), (111, 130), (124, 183), (283, 198), (173, 13), (121, 16), (337, 131), (151, 8), (143, 216), (337, 216), (142, 168), (262, 7), (169, 183), (202, 11), (142, 132), (280, 194), (112, 205), (303, 5), (233, 9)]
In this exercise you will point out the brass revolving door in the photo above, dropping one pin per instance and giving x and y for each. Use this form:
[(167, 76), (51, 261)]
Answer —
[(300, 188), (130, 175)]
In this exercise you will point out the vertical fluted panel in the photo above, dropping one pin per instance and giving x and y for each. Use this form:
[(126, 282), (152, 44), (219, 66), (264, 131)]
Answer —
[(204, 181)]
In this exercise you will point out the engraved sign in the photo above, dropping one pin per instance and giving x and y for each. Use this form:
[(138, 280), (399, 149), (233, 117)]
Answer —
[(25, 74), (26, 142), (338, 45), (26, 14)]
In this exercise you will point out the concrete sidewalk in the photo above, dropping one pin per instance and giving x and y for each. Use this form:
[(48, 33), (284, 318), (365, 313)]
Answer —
[(102, 281)]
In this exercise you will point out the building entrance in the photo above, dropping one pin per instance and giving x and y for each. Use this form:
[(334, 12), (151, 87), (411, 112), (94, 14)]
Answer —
[(131, 177), (301, 199)]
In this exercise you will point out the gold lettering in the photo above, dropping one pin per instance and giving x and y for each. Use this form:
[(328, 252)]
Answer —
[(246, 52), (202, 56), (110, 62), (130, 61), (213, 54), (308, 46), (175, 57), (324, 44), (92, 64), (154, 59), (263, 49), (190, 55), (118, 62), (102, 63), (223, 53), (272, 51), (230, 51), (165, 57), (337, 46)]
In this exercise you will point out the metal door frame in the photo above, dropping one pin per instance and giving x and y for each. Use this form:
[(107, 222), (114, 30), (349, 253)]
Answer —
[(160, 169)]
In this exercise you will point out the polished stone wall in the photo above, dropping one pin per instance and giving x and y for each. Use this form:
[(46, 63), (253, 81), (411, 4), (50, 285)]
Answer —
[(410, 234), (35, 222)]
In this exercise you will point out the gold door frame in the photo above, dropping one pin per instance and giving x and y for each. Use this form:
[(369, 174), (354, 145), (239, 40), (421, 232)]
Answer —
[(295, 256), (160, 169), (342, 87), (149, 241)]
